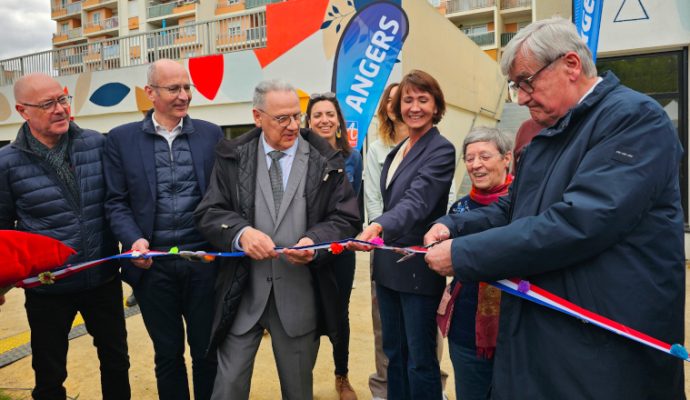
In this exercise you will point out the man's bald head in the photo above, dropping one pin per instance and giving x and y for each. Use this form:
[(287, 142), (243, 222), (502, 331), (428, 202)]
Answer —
[(29, 86), (40, 100)]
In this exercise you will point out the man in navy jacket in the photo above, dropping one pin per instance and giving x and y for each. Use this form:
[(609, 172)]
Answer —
[(157, 171), (594, 216), (51, 183)]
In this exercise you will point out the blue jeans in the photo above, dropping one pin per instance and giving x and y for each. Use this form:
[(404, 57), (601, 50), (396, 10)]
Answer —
[(408, 324), (168, 292), (472, 374)]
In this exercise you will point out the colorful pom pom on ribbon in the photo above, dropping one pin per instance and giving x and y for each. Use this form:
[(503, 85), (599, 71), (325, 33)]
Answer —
[(377, 241), (679, 351), (336, 248), (174, 250), (523, 286), (46, 278)]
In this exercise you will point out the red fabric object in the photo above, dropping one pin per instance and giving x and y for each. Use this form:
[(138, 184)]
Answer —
[(444, 313), (527, 131), (25, 255), (486, 197)]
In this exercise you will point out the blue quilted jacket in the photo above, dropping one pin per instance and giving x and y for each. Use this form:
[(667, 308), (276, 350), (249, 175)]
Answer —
[(32, 200)]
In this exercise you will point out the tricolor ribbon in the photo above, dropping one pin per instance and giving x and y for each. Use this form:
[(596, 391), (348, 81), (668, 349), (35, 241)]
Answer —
[(516, 287)]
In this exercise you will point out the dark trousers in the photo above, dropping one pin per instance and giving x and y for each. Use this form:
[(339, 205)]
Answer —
[(473, 374), (344, 266), (50, 319), (408, 323), (168, 292)]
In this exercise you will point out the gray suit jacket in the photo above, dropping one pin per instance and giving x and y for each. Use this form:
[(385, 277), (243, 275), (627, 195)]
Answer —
[(292, 284)]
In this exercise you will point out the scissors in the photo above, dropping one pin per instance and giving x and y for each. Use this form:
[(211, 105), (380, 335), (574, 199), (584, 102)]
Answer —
[(412, 254)]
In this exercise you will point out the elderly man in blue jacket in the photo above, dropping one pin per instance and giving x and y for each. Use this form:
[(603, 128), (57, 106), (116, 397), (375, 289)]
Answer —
[(51, 183), (157, 171), (593, 216)]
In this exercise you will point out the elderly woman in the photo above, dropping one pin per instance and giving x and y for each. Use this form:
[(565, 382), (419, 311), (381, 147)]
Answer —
[(474, 323), (326, 119), (415, 181)]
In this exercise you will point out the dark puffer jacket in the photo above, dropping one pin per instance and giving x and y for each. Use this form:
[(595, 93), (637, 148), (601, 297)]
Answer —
[(32, 200), (332, 214)]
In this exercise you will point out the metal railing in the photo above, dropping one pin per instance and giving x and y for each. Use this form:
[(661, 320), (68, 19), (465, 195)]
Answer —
[(483, 39), (72, 8), (455, 6), (160, 10), (227, 3), (179, 42), (506, 37), (259, 3), (97, 3), (506, 4), (110, 23)]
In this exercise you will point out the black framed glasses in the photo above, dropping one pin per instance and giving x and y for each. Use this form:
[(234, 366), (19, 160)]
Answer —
[(175, 90), (526, 84), (284, 120), (322, 96), (483, 157), (64, 101)]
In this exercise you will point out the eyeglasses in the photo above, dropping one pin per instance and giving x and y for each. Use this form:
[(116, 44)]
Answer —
[(322, 96), (526, 84), (64, 101), (175, 90), (284, 120), (483, 157)]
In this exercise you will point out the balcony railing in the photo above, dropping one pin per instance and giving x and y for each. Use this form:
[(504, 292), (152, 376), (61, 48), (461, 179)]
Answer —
[(506, 37), (110, 23), (506, 4), (455, 6), (160, 10), (228, 3), (259, 3), (93, 3), (69, 9), (178, 42), (483, 39)]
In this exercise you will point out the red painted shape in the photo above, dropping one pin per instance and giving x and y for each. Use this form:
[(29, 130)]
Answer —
[(287, 24), (207, 74)]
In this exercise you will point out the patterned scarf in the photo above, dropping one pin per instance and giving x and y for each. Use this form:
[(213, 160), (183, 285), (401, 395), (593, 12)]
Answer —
[(489, 297), (58, 159), (486, 197)]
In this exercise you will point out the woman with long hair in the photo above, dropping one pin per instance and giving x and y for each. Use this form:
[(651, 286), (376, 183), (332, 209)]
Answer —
[(326, 119)]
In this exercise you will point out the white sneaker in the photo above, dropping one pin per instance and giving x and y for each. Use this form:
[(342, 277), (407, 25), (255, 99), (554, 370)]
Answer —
[(445, 396)]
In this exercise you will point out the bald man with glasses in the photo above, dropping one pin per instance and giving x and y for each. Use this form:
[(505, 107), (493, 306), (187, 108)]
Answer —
[(51, 183)]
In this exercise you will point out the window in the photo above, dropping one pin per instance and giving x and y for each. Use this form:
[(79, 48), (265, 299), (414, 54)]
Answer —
[(435, 3), (96, 18), (64, 28), (475, 30), (234, 29), (663, 77)]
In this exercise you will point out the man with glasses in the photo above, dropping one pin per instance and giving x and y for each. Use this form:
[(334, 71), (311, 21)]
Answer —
[(276, 185), (51, 183), (593, 216), (157, 171)]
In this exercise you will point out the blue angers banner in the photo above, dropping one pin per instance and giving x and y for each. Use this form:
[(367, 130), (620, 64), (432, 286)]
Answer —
[(587, 14), (367, 51)]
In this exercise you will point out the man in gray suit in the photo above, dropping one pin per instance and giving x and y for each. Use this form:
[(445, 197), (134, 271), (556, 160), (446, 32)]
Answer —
[(276, 185)]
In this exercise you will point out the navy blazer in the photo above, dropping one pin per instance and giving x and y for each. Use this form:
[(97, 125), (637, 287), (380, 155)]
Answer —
[(130, 174), (416, 196)]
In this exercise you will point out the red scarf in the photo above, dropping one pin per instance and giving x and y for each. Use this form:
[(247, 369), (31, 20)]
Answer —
[(489, 298), (486, 197)]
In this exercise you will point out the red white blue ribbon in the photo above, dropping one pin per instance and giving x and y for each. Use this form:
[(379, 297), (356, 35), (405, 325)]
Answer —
[(516, 287)]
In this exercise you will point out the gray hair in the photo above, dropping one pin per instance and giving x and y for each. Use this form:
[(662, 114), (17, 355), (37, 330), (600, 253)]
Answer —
[(267, 86), (545, 41), (503, 142)]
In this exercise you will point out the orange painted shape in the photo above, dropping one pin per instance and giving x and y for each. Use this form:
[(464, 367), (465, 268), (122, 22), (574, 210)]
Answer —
[(144, 104), (207, 74), (281, 30)]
